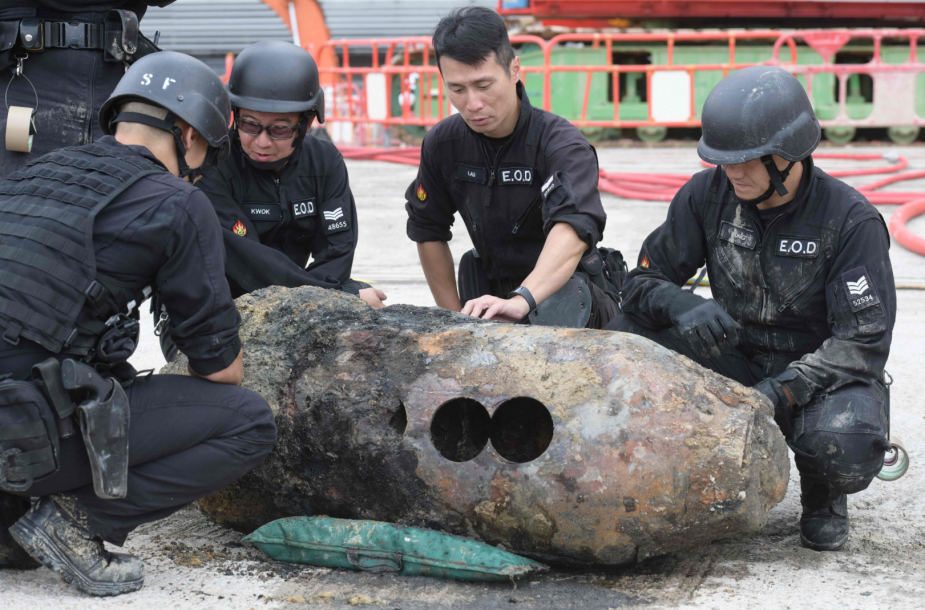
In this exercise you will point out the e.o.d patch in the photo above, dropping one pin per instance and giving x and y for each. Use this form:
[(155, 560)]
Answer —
[(264, 212), (800, 247), (860, 289), (335, 221), (303, 209), (515, 175), (738, 236)]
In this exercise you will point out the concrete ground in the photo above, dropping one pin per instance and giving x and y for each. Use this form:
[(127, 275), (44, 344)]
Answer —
[(191, 563)]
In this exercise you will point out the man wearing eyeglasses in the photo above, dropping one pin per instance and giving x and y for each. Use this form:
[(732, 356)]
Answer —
[(283, 196)]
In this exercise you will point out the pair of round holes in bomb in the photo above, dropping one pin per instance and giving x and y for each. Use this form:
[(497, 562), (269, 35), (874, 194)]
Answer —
[(520, 429)]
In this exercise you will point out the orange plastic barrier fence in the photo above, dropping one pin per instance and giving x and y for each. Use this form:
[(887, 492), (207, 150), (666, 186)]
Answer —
[(866, 78)]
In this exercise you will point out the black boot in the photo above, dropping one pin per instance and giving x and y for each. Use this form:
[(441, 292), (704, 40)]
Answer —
[(12, 556), (54, 532), (824, 524)]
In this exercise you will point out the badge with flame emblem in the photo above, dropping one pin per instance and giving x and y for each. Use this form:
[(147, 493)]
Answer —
[(421, 193), (239, 229)]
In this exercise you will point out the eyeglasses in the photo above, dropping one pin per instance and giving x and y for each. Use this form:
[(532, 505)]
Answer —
[(276, 131)]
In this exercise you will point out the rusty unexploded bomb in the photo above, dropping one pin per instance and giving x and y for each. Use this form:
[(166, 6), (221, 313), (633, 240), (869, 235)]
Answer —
[(569, 445)]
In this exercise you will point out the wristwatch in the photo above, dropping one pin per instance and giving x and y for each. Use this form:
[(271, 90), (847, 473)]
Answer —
[(524, 292)]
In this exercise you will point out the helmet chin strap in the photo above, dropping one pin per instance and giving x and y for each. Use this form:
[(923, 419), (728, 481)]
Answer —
[(305, 121), (777, 176), (185, 171), (168, 124)]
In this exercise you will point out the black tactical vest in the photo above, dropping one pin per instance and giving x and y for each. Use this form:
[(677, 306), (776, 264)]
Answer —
[(49, 289)]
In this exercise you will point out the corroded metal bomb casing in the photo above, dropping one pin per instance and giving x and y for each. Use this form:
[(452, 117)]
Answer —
[(572, 446)]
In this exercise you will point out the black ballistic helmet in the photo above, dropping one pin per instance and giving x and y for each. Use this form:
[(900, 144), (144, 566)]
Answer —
[(182, 84), (757, 112), (276, 76)]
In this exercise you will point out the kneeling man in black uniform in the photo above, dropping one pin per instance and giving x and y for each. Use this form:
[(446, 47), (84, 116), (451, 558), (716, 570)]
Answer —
[(88, 233), (524, 182), (282, 195), (804, 300)]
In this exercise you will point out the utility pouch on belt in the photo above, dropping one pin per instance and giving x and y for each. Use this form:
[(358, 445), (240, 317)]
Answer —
[(122, 38), (104, 421), (120, 35), (29, 445), (31, 34)]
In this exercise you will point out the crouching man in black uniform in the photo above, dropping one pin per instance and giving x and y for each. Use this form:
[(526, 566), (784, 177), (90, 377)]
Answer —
[(524, 182), (88, 232), (282, 195), (804, 300)]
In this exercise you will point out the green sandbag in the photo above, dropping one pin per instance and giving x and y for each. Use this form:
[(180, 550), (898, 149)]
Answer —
[(375, 546)]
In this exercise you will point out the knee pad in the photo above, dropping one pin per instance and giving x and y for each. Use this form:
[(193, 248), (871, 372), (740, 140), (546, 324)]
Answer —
[(842, 436), (848, 463)]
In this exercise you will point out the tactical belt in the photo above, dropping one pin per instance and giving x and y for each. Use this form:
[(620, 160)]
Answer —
[(118, 35), (65, 35)]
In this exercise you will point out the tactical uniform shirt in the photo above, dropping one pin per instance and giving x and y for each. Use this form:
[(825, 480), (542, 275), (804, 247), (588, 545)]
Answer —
[(509, 193), (810, 282), (274, 222), (163, 233)]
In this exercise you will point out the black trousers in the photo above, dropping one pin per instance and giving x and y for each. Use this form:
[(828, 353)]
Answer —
[(188, 437), (838, 439), (474, 282), (71, 85)]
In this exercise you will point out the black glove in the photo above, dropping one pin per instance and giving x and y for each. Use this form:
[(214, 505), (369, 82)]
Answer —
[(703, 322), (782, 401)]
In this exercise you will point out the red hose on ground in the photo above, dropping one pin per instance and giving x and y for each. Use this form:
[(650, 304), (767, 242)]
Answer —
[(899, 226), (900, 164), (891, 180), (662, 187)]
